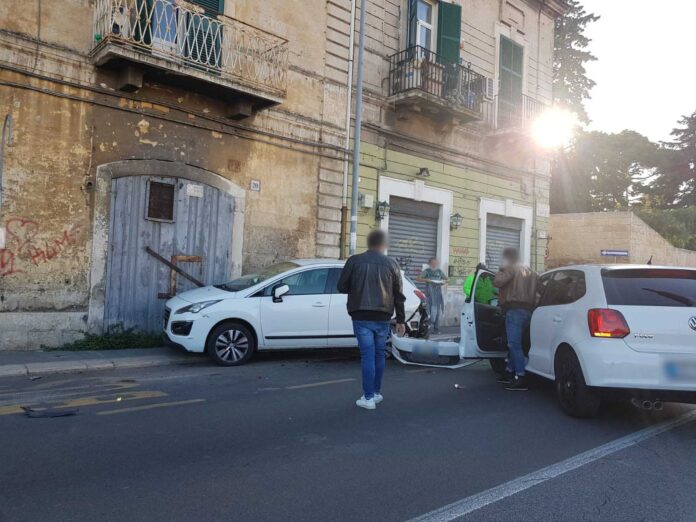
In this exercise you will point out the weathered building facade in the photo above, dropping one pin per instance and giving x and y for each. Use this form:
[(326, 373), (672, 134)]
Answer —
[(200, 130), (210, 135)]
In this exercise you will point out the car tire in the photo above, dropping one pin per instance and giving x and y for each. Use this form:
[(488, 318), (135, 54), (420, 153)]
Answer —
[(576, 398), (498, 365), (231, 344)]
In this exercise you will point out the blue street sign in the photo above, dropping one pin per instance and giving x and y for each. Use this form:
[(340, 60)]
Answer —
[(615, 253)]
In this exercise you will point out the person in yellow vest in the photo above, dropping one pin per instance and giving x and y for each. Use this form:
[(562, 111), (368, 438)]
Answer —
[(485, 291)]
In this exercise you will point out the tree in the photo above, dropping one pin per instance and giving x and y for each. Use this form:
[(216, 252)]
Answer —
[(603, 172), (571, 86), (675, 187)]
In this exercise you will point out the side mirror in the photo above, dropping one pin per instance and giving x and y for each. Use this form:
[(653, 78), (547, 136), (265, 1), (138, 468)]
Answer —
[(278, 293)]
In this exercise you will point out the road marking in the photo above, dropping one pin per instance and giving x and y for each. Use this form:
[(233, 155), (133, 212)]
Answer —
[(422, 370), (149, 407), (322, 383), (479, 500), (88, 401)]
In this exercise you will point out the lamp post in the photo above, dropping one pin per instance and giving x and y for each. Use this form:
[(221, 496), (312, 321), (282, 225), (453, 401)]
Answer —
[(356, 138)]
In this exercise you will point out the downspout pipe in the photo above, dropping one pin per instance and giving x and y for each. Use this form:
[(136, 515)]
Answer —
[(5, 138), (349, 108), (356, 139)]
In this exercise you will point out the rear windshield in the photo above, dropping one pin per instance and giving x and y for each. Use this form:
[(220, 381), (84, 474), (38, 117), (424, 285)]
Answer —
[(650, 287)]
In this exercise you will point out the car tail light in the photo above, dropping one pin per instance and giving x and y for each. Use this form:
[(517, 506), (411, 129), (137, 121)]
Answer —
[(605, 322), (420, 295)]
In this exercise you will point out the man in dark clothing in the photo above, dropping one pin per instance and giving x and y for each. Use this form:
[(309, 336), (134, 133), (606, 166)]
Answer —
[(517, 285), (373, 284)]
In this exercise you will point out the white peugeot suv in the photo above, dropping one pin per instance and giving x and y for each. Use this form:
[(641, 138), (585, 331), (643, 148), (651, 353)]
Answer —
[(294, 304), (629, 328)]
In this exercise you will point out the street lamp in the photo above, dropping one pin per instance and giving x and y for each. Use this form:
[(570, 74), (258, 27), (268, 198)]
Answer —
[(382, 210), (456, 221)]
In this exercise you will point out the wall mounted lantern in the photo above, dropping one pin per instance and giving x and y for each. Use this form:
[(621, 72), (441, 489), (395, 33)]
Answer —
[(456, 221), (382, 210), (424, 173)]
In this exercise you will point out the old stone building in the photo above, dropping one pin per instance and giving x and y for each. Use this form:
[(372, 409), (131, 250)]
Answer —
[(201, 130), (211, 134)]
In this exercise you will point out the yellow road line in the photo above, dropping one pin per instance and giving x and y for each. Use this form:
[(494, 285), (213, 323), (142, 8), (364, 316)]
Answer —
[(314, 384), (88, 401), (149, 407), (423, 370)]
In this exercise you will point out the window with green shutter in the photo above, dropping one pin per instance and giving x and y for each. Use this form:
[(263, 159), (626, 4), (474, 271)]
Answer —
[(511, 70), (449, 31), (205, 38), (212, 7)]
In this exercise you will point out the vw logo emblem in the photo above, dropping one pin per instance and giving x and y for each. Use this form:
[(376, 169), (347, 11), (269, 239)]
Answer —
[(692, 323)]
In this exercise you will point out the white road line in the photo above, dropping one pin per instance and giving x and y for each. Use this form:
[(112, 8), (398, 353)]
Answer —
[(475, 502), (322, 383)]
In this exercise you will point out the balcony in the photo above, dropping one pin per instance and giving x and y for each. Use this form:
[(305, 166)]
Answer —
[(179, 43), (513, 116), (426, 82)]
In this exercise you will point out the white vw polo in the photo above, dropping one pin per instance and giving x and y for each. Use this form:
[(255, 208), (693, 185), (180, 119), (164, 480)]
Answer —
[(620, 327), (288, 305)]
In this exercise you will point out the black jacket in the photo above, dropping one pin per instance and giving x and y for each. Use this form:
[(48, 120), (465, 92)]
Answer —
[(373, 284)]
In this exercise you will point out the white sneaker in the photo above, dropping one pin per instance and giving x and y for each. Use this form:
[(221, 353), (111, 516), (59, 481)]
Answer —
[(362, 402), (378, 398)]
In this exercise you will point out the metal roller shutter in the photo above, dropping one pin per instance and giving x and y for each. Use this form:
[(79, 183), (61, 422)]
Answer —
[(412, 233), (501, 233)]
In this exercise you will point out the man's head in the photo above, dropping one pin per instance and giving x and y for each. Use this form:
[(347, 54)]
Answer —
[(433, 263), (511, 256), (377, 240)]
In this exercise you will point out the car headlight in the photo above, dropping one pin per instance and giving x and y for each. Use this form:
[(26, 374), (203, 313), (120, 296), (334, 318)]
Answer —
[(196, 307)]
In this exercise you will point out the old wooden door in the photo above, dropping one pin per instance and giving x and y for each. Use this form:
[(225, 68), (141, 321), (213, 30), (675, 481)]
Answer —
[(185, 222)]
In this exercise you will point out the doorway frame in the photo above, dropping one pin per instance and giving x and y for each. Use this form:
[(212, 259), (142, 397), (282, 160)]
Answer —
[(105, 174)]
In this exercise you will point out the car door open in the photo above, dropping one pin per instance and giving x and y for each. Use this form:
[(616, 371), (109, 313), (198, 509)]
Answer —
[(482, 333)]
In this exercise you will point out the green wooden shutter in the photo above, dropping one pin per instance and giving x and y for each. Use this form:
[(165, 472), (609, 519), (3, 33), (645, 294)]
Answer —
[(212, 7), (412, 20), (449, 31), (511, 70)]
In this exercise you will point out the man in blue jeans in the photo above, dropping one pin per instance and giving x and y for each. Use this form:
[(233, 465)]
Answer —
[(517, 297), (373, 284)]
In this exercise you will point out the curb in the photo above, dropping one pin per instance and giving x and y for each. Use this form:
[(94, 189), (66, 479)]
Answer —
[(48, 368)]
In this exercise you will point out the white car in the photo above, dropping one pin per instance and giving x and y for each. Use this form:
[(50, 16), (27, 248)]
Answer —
[(596, 328), (288, 305)]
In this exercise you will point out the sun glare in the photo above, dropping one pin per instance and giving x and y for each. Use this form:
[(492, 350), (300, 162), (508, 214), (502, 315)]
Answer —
[(554, 128)]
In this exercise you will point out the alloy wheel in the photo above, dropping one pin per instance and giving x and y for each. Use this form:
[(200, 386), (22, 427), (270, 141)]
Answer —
[(232, 345)]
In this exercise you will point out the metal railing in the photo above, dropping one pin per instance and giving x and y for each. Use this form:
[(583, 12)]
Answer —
[(417, 68), (183, 33), (505, 113)]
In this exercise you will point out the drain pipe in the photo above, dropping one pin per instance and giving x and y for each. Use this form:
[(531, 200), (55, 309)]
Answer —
[(349, 108), (5, 138), (356, 139)]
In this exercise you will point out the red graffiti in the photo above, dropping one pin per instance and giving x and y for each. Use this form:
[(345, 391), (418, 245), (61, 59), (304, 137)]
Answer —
[(24, 246), (7, 263)]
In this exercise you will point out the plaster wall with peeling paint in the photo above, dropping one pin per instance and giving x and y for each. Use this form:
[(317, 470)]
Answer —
[(69, 120)]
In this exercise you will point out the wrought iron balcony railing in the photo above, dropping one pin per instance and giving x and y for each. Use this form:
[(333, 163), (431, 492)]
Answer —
[(519, 113), (184, 34), (419, 69)]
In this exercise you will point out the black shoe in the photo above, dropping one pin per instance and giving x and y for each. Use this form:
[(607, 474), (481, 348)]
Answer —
[(517, 384), (506, 377)]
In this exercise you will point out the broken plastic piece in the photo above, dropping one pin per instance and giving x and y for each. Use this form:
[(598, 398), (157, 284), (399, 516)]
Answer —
[(49, 412)]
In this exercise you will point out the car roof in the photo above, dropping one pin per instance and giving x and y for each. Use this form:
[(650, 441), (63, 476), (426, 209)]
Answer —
[(623, 266), (318, 261)]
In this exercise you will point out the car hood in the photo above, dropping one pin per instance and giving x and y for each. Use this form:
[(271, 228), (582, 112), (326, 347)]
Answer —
[(206, 293)]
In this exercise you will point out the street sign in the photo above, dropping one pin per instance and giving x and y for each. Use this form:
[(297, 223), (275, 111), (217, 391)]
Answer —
[(615, 253)]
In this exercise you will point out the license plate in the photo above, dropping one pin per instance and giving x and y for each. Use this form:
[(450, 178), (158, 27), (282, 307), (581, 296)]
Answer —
[(425, 350), (682, 371)]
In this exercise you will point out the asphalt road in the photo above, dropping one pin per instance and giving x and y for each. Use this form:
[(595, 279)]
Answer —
[(281, 439)]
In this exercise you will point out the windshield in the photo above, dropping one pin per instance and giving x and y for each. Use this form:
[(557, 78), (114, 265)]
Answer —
[(650, 287), (249, 280)]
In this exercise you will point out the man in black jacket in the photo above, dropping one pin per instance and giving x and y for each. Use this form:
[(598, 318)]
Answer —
[(373, 284)]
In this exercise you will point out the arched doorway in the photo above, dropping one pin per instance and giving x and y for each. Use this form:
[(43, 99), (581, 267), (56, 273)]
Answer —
[(184, 216)]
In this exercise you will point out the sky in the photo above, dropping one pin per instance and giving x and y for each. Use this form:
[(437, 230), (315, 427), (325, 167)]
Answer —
[(646, 65)]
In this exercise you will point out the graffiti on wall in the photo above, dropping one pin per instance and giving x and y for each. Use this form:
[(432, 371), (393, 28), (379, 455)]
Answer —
[(28, 246)]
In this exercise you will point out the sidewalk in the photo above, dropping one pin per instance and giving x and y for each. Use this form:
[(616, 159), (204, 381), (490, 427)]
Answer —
[(15, 363)]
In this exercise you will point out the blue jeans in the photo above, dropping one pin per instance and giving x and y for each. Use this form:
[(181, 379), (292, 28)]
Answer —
[(516, 323), (435, 313), (372, 339)]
